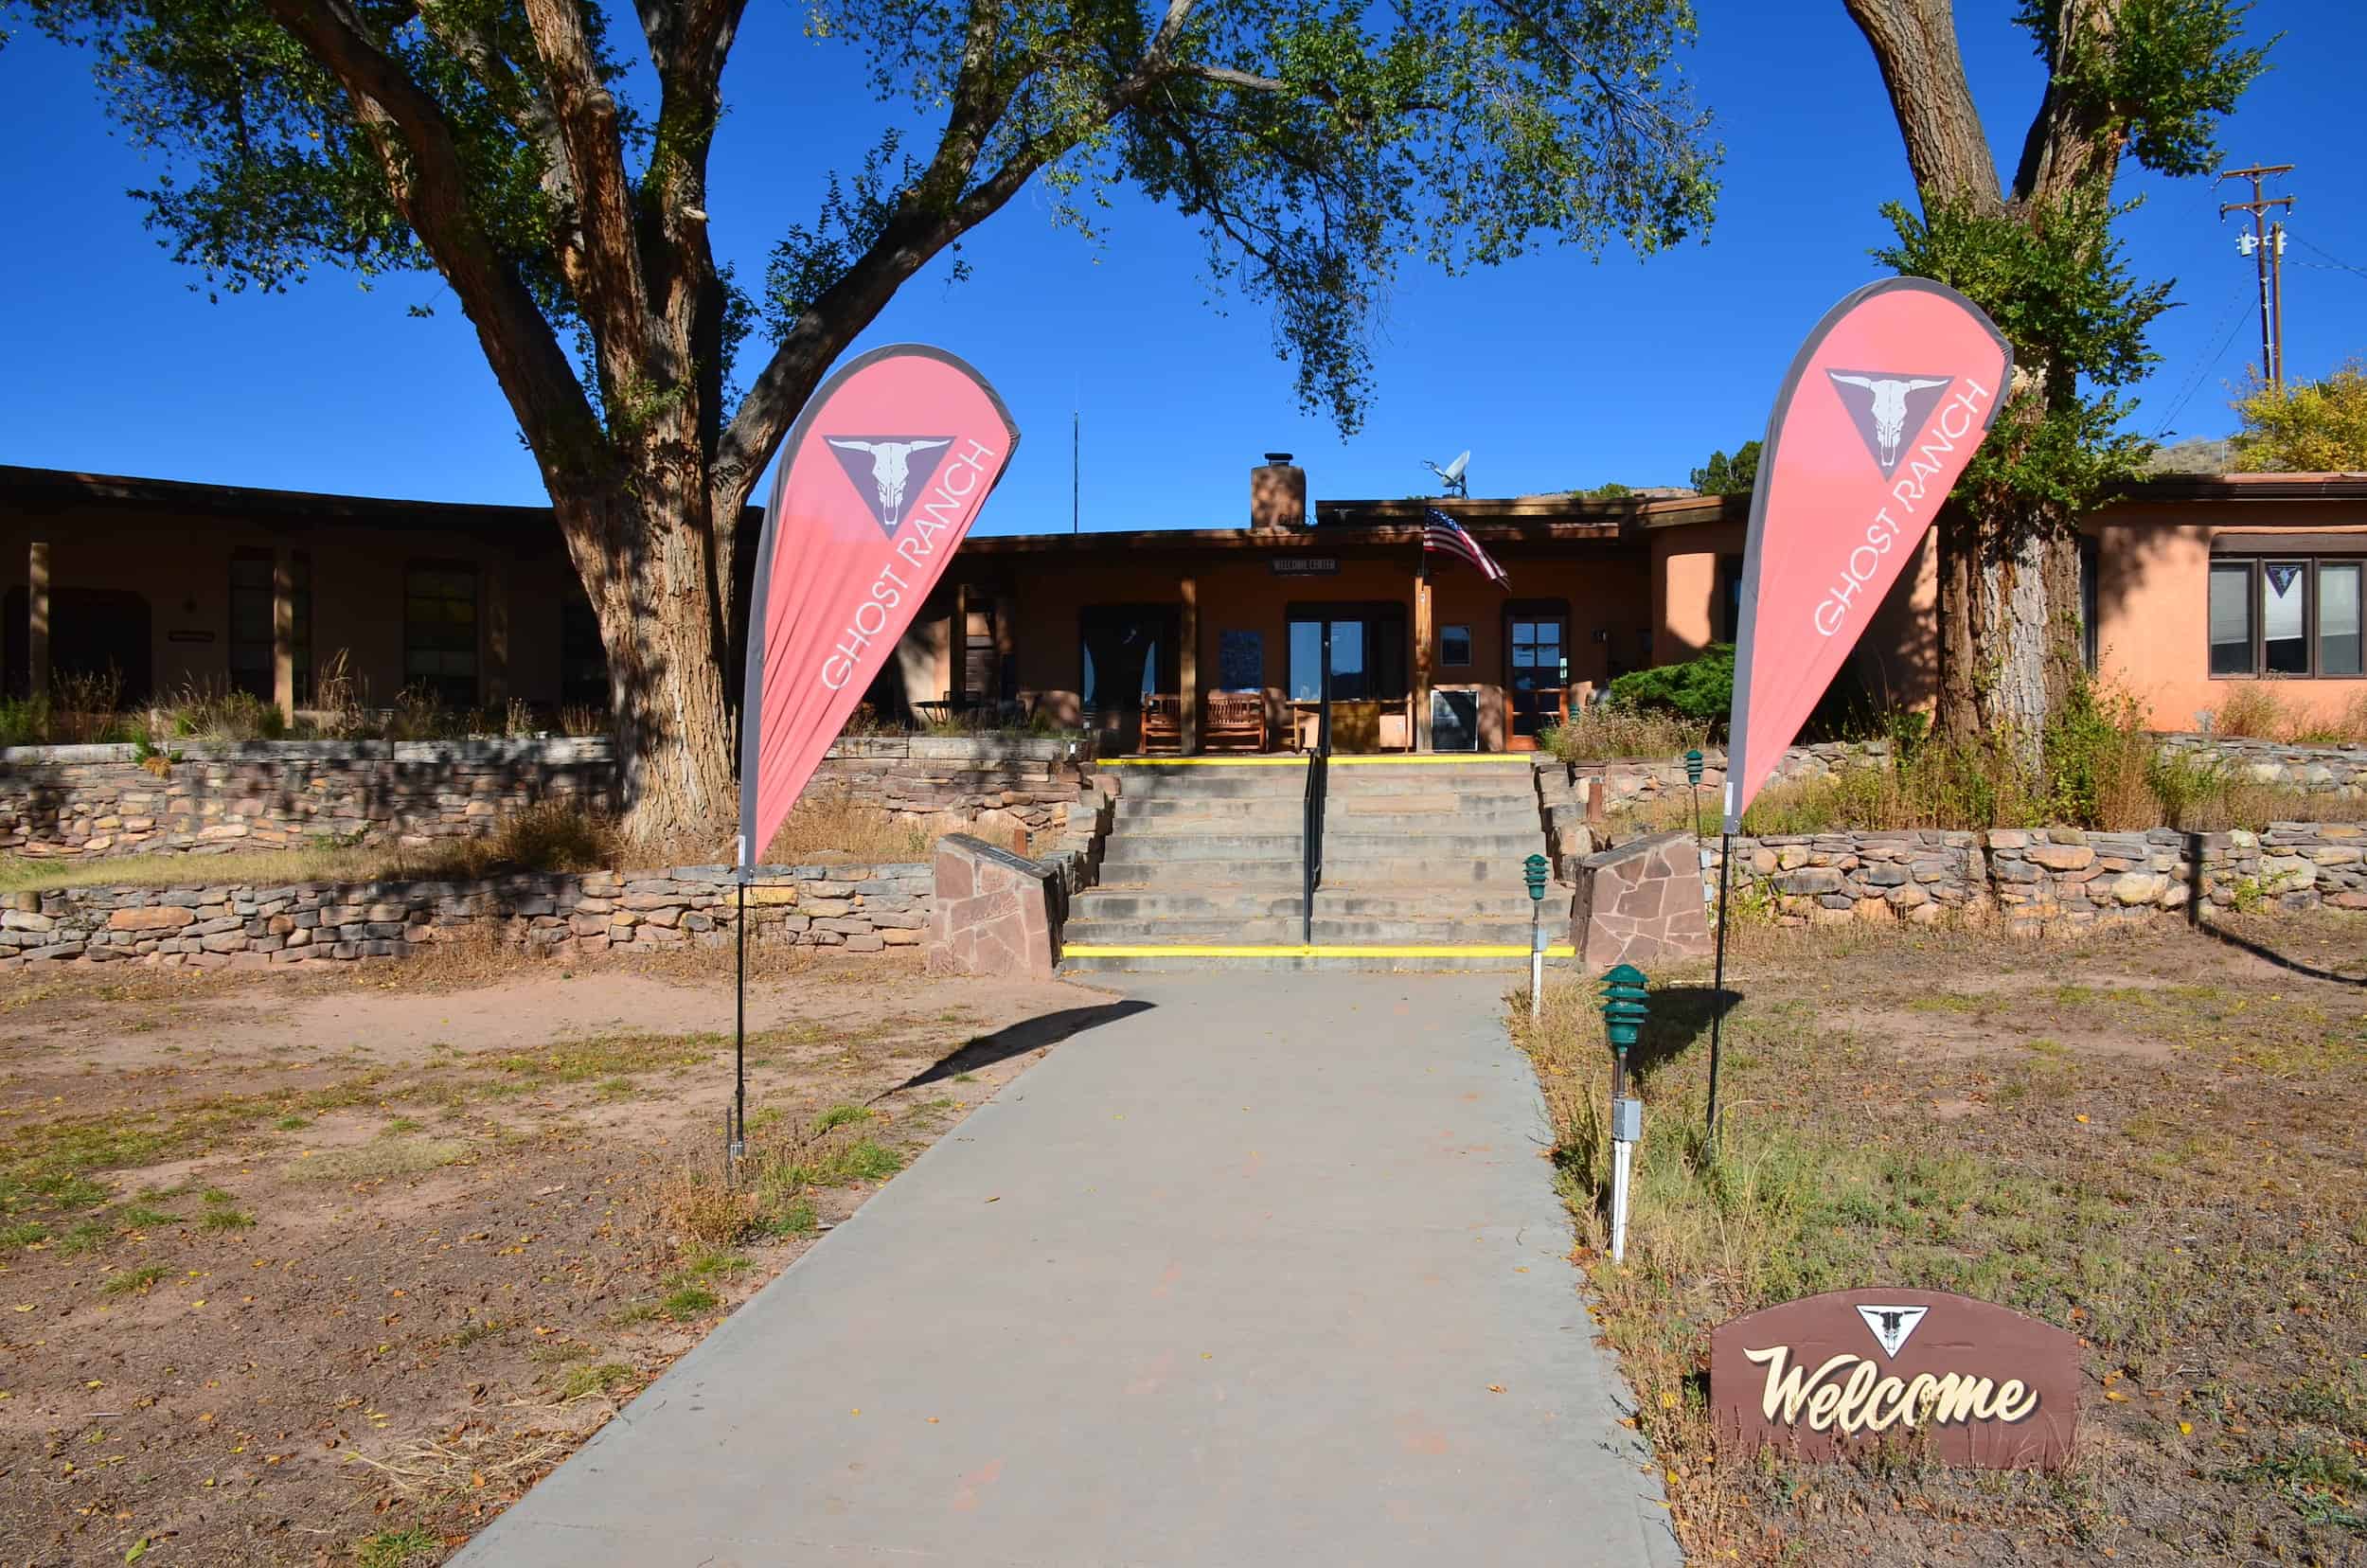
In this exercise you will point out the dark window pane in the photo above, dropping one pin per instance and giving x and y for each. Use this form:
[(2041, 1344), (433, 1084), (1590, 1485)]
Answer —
[(2285, 616), (1454, 644), (2231, 618), (2338, 647)]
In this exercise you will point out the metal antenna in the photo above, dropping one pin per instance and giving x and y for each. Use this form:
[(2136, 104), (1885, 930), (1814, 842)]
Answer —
[(1453, 474)]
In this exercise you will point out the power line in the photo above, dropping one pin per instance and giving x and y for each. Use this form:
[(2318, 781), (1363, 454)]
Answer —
[(2340, 265), (2234, 319)]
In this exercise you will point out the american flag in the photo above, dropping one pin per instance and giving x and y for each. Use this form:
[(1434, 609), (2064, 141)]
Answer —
[(1443, 533)]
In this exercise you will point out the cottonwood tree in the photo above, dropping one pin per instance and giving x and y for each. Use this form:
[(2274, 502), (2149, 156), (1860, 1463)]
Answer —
[(2145, 80), (2307, 427), (561, 193)]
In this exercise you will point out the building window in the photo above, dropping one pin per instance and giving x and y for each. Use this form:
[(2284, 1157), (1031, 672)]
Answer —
[(1455, 647), (980, 671), (1126, 652), (1726, 614), (582, 658), (1242, 661), (439, 631), (2088, 567), (1367, 652), (252, 652), (2285, 616)]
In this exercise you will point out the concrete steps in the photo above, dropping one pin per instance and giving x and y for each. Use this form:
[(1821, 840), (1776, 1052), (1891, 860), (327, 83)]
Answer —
[(1421, 870)]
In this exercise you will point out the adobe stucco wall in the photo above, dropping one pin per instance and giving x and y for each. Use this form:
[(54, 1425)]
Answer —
[(2153, 611)]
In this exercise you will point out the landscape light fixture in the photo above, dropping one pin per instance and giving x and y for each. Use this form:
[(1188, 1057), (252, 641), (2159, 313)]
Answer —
[(1693, 779), (1626, 1002), (1533, 872)]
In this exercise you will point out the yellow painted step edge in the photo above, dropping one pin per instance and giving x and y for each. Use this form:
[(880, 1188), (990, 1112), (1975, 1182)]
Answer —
[(1221, 950), (1383, 760)]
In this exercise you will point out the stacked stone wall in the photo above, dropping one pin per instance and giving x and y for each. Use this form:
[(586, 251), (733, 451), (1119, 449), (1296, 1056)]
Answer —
[(202, 798), (2046, 880)]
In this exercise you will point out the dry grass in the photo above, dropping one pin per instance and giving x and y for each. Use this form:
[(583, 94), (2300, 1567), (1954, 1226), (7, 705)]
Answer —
[(1607, 732), (838, 824), (383, 1157), (2042, 1126), (2257, 710)]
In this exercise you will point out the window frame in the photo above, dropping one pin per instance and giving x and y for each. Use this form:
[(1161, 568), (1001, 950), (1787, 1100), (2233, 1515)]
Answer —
[(1464, 662), (300, 622), (443, 681), (2255, 565)]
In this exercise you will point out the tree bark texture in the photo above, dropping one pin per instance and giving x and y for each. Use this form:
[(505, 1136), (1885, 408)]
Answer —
[(2009, 577)]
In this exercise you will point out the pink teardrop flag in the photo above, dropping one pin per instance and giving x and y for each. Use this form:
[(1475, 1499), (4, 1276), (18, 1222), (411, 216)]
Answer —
[(1878, 415), (886, 469)]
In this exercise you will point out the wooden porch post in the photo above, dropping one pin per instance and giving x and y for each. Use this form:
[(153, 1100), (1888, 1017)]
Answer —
[(1187, 666), (37, 621), (957, 652), (283, 632), (1425, 651)]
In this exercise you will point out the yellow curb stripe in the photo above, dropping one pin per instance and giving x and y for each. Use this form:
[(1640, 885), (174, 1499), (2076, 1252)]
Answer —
[(1457, 760), (1221, 950), (1204, 761)]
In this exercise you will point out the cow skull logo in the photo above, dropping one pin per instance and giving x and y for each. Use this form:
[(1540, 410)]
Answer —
[(1892, 1325), (883, 468), (1884, 405)]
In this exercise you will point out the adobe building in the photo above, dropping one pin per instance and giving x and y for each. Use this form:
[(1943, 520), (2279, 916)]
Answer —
[(1190, 638)]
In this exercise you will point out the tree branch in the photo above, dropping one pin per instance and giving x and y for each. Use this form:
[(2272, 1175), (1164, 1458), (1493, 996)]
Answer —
[(1914, 45), (613, 299), (430, 186)]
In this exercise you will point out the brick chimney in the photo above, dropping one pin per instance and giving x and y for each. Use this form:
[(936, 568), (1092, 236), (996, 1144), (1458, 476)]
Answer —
[(1277, 495)]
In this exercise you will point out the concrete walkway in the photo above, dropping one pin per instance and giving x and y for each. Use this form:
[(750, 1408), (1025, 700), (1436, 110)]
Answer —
[(1234, 1279)]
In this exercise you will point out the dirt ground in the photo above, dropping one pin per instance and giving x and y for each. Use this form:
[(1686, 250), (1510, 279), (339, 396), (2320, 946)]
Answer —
[(326, 1268), (2154, 1138)]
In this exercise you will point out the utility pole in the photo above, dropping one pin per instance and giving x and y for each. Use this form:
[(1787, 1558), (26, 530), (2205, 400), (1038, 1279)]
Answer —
[(2264, 244)]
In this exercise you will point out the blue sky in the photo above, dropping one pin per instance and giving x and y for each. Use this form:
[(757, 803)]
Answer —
[(1555, 370)]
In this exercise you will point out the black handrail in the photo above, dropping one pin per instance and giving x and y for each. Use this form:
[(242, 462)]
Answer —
[(1318, 790)]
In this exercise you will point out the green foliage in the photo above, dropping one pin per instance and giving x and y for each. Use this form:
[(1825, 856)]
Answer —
[(1702, 688), (2158, 80), (2309, 427), (1316, 146), (1724, 475), (1615, 491), (2055, 283)]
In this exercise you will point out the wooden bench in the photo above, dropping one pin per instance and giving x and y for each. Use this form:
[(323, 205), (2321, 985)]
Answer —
[(1234, 721), (1163, 721)]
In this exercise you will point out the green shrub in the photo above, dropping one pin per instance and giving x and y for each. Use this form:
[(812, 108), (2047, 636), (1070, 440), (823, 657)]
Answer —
[(1700, 688)]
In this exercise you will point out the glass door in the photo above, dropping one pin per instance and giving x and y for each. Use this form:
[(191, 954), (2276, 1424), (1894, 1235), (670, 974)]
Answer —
[(1536, 659)]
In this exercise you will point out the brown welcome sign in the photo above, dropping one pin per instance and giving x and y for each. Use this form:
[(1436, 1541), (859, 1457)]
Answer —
[(1981, 1384)]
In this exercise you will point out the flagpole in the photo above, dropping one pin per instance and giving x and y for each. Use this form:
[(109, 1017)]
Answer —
[(1718, 983), (739, 1029)]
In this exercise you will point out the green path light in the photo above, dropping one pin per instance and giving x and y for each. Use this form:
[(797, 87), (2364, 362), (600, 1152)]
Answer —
[(1533, 870), (1626, 1003), (1693, 766)]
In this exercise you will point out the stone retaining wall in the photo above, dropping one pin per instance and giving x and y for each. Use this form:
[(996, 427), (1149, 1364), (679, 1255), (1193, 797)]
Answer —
[(2044, 880), (2311, 770), (856, 908), (200, 799), (211, 799)]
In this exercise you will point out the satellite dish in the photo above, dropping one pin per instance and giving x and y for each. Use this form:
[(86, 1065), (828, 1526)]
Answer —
[(1452, 473)]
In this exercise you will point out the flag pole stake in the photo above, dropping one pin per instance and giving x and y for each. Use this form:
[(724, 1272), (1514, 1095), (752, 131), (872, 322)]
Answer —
[(739, 1119), (1718, 983)]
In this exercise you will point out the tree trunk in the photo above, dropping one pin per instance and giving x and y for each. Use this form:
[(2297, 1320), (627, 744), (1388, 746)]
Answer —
[(644, 562), (2007, 653)]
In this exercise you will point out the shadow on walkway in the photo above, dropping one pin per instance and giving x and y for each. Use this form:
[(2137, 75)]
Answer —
[(1026, 1035)]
